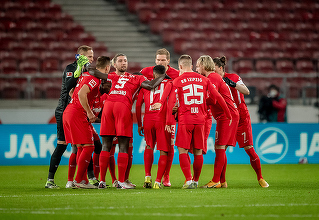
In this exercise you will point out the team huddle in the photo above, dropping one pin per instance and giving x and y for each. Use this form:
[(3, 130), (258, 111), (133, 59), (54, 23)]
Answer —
[(91, 94)]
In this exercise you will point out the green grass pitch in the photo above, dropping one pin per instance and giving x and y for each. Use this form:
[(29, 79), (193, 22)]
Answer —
[(293, 194)]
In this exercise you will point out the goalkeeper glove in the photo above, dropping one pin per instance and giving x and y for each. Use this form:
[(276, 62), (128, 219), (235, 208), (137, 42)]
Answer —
[(81, 61), (229, 82)]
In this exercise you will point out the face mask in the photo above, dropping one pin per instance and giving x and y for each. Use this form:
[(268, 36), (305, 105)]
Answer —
[(273, 93)]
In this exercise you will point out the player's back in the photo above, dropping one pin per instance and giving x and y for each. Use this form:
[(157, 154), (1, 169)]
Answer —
[(225, 92), (191, 90), (154, 96)]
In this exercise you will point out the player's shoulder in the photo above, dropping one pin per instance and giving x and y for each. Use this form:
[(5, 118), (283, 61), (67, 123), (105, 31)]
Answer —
[(70, 69)]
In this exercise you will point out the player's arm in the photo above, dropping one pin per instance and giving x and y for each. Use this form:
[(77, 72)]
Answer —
[(84, 102), (138, 111), (240, 86), (71, 92), (149, 85), (170, 119), (96, 73), (214, 94), (70, 80)]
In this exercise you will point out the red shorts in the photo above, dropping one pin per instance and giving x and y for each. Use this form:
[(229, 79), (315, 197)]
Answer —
[(188, 133), (244, 131), (76, 127), (226, 134), (154, 133), (117, 120)]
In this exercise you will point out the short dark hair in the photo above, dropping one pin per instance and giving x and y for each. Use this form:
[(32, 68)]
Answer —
[(185, 59), (159, 69), (103, 61), (272, 86)]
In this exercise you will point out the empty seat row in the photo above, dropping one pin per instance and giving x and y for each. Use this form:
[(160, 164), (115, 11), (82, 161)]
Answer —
[(243, 66)]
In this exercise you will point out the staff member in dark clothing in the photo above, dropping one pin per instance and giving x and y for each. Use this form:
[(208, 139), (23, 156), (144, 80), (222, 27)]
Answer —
[(68, 82)]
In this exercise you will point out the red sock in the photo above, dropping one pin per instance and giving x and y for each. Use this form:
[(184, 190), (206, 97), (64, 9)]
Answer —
[(170, 157), (96, 165), (129, 164), (185, 166), (122, 161), (112, 164), (162, 162), (197, 166), (219, 164), (104, 163), (83, 162), (255, 162), (78, 154), (223, 174), (148, 161), (72, 167)]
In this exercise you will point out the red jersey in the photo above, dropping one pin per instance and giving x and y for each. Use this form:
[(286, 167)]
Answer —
[(150, 97), (190, 91), (124, 87), (238, 97), (148, 72), (98, 104), (93, 83), (224, 90)]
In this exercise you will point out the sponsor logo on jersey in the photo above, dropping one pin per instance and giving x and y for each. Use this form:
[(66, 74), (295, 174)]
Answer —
[(92, 83), (69, 74), (272, 145)]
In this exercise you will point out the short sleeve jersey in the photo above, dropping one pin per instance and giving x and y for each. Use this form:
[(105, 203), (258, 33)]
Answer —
[(148, 72), (93, 83), (124, 87), (153, 96), (225, 92), (191, 91), (238, 97)]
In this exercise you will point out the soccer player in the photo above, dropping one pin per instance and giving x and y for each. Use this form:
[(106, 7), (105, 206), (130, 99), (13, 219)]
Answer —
[(225, 134), (244, 135), (154, 129), (117, 117), (78, 116), (190, 91), (162, 57), (68, 82)]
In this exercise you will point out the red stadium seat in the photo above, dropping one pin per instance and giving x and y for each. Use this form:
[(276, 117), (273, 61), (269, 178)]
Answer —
[(8, 67), (243, 66), (50, 65), (52, 91), (305, 66), (29, 66), (11, 91), (285, 66), (265, 66)]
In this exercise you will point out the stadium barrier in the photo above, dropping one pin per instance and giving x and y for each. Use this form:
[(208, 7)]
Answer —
[(278, 143)]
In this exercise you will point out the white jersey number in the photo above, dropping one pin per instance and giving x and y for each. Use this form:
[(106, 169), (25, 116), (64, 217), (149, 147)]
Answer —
[(121, 82), (193, 91), (157, 90)]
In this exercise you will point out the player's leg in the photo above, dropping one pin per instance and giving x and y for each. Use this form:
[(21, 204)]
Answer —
[(58, 152), (122, 161), (129, 164), (162, 162), (72, 168), (198, 143), (112, 166), (255, 163), (150, 138), (170, 157), (83, 163), (223, 174), (107, 143), (96, 158)]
